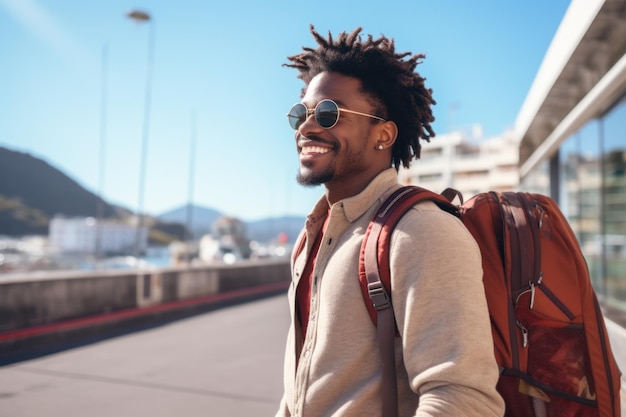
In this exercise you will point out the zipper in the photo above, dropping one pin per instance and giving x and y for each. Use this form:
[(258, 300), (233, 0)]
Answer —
[(524, 333), (532, 286), (542, 213)]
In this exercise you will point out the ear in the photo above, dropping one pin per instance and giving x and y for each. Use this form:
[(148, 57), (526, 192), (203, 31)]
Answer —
[(387, 134)]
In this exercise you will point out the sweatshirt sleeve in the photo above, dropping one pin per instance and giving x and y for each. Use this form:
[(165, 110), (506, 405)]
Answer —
[(282, 409), (441, 312)]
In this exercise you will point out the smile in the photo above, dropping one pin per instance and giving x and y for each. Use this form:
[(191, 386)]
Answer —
[(308, 150)]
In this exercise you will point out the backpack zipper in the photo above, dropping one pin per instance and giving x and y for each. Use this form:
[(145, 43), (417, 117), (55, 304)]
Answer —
[(532, 287), (524, 333)]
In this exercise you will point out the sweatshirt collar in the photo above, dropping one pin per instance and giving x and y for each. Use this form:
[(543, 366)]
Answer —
[(374, 194), (354, 207)]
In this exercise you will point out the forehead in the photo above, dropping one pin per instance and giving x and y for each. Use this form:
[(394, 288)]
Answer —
[(335, 86)]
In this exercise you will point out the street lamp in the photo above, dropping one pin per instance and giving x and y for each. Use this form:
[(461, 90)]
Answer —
[(140, 16), (103, 114)]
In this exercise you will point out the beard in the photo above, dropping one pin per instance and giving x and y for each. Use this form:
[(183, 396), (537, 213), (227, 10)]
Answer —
[(309, 178)]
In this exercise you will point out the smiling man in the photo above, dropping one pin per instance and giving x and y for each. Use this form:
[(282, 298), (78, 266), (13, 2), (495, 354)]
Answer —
[(362, 115)]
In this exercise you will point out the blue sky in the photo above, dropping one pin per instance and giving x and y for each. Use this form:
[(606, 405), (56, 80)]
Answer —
[(220, 64)]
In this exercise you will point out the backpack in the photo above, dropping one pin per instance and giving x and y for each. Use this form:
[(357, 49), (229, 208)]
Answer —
[(550, 340)]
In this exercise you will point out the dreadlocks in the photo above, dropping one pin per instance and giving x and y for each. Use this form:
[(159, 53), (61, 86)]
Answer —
[(398, 91)]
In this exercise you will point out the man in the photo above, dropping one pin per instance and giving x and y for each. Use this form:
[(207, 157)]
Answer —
[(363, 112)]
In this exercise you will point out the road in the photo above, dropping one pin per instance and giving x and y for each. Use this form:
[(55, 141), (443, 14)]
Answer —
[(224, 363)]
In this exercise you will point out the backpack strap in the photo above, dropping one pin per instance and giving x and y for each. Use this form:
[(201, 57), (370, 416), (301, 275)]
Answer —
[(374, 270), (375, 278)]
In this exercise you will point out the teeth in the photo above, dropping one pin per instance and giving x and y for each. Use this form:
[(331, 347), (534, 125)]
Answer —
[(315, 149)]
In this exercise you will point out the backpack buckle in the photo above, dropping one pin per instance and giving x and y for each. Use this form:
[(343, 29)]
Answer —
[(378, 295)]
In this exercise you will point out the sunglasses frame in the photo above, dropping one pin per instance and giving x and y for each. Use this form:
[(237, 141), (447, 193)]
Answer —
[(299, 121)]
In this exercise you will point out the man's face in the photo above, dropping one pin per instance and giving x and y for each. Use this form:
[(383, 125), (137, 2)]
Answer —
[(346, 152)]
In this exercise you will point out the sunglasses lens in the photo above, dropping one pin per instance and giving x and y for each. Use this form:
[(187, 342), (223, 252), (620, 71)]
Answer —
[(326, 113), (297, 115)]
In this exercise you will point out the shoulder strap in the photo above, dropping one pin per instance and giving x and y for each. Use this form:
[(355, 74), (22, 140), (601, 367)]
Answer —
[(375, 277), (374, 271)]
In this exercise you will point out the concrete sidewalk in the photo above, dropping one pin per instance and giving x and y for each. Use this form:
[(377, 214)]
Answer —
[(224, 363)]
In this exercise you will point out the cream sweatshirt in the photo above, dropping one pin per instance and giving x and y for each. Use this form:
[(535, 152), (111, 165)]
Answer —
[(444, 355)]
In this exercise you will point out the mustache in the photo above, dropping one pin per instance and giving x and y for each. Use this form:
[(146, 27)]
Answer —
[(316, 139)]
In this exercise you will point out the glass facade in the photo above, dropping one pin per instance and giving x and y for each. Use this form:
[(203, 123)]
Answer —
[(591, 179), (614, 203)]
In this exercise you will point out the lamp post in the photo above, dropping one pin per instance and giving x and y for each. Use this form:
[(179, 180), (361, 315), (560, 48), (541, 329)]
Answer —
[(103, 114), (140, 16)]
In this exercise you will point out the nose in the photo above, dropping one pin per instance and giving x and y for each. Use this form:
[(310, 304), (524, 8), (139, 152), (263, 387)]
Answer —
[(309, 124)]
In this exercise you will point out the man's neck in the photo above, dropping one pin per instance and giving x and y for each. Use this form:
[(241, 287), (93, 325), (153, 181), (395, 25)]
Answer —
[(341, 189)]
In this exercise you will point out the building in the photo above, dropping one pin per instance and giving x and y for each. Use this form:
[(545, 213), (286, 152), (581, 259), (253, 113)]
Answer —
[(468, 165), (87, 235), (572, 134)]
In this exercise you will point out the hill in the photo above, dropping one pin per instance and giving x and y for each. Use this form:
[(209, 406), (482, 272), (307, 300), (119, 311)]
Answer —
[(264, 230), (267, 230), (202, 218), (32, 192)]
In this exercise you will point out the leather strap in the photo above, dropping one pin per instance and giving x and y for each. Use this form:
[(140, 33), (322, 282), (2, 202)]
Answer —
[(375, 262)]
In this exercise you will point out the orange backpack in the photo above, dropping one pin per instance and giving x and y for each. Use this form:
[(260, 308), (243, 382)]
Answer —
[(550, 340)]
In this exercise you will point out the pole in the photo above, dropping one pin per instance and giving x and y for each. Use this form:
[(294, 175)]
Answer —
[(103, 118), (192, 157), (140, 16)]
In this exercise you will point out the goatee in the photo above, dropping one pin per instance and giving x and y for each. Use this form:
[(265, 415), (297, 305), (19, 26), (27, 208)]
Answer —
[(312, 179)]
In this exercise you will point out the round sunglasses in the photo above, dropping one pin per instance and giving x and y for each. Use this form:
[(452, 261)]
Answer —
[(326, 114)]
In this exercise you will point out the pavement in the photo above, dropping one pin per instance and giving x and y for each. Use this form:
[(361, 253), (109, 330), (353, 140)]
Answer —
[(224, 363), (227, 362)]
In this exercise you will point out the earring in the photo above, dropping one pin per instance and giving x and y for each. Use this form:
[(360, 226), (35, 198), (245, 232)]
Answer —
[(381, 147)]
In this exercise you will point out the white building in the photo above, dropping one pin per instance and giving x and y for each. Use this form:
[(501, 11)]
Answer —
[(82, 234), (470, 166)]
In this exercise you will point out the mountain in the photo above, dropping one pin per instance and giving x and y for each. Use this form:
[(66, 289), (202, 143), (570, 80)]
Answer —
[(264, 230), (32, 192), (202, 218), (267, 230)]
